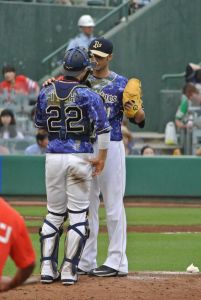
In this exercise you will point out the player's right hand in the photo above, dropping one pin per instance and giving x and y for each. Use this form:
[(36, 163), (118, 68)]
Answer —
[(49, 81), (98, 165)]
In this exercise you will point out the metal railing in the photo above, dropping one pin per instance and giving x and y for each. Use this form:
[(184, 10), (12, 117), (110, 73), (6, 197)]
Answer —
[(165, 77), (104, 24)]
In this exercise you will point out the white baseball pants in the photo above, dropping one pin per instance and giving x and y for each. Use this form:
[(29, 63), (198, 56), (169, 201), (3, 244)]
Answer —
[(111, 183)]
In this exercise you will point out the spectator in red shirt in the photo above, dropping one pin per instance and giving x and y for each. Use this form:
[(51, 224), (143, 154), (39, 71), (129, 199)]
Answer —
[(14, 242), (17, 84)]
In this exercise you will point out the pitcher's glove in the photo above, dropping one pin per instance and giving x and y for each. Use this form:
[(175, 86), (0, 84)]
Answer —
[(132, 98)]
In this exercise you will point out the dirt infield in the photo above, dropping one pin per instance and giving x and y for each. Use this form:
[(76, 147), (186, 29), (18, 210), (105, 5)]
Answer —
[(137, 286), (160, 203), (136, 228), (147, 229)]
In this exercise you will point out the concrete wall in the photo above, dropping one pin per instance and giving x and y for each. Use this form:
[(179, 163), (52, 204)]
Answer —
[(146, 176), (161, 38), (29, 32)]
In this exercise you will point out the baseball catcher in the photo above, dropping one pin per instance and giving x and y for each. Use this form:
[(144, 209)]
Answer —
[(132, 102)]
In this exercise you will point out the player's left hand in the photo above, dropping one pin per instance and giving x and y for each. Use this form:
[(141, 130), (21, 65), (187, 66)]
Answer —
[(98, 165), (129, 104), (132, 98)]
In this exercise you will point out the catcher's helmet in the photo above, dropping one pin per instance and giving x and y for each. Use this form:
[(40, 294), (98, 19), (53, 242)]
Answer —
[(75, 61), (86, 21)]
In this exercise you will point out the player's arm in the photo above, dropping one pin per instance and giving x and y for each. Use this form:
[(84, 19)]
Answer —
[(181, 112), (20, 276), (132, 102), (97, 113), (40, 121), (103, 144), (22, 253), (49, 81)]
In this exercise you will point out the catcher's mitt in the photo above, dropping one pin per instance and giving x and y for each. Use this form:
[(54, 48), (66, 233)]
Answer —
[(133, 94)]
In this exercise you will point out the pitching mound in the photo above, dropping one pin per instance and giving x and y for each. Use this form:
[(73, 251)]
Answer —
[(138, 285)]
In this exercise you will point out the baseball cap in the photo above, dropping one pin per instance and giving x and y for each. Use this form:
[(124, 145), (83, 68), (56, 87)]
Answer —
[(101, 47)]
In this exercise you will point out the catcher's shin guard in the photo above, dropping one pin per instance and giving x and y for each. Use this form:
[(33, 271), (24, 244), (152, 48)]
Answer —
[(49, 239), (75, 242)]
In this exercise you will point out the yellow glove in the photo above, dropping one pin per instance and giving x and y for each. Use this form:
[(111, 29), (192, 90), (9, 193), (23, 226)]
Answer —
[(132, 98)]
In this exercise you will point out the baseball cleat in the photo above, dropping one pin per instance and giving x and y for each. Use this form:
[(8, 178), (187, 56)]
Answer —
[(82, 272), (48, 278), (68, 281), (105, 271), (67, 278)]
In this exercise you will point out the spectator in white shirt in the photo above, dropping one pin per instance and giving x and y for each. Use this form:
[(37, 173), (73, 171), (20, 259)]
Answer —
[(86, 25)]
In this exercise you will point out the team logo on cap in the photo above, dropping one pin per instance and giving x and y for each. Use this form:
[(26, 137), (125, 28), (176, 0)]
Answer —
[(67, 67), (97, 44)]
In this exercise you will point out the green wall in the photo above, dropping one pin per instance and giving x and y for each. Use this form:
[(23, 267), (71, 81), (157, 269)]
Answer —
[(29, 32), (161, 38), (146, 176)]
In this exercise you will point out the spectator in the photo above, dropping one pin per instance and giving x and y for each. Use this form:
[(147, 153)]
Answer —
[(4, 150), (198, 81), (198, 152), (16, 84), (31, 122), (136, 4), (181, 118), (41, 144), (177, 152), (192, 73), (14, 241), (147, 151), (86, 25), (8, 127)]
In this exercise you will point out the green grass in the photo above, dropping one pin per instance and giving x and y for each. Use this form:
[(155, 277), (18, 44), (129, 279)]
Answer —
[(163, 216), (145, 251), (31, 210), (139, 215), (34, 223), (163, 252)]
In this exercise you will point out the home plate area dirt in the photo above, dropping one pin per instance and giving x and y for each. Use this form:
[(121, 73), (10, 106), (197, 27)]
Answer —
[(138, 285)]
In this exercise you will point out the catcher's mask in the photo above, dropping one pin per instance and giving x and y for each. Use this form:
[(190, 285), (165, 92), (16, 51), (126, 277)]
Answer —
[(77, 60)]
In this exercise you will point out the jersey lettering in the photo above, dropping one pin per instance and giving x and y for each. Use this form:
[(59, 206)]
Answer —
[(108, 110), (5, 238), (71, 121), (52, 127), (73, 116)]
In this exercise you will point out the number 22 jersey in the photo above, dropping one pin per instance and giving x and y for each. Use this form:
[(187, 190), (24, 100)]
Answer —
[(70, 112)]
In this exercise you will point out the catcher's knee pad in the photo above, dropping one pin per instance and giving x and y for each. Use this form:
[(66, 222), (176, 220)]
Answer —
[(49, 239), (76, 242)]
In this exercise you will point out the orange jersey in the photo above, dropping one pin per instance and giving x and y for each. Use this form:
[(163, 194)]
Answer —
[(14, 238)]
